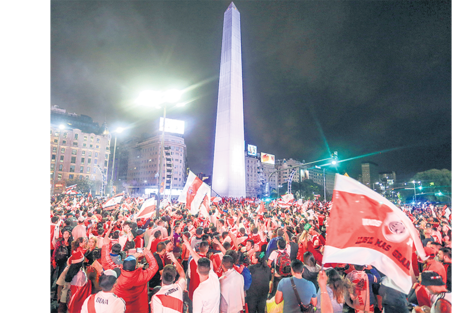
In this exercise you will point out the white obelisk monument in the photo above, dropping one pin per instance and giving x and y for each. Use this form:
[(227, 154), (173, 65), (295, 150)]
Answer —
[(228, 175)]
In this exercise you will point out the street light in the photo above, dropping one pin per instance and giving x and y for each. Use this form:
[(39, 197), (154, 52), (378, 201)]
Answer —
[(118, 130), (156, 99)]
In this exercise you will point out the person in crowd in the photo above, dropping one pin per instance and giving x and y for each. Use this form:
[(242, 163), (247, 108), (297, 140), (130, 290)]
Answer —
[(232, 297), (362, 295), (441, 299), (431, 264), (207, 294), (105, 301), (305, 289), (132, 284), (170, 296), (392, 300), (62, 251), (79, 230), (279, 260), (445, 257), (257, 294), (311, 268), (336, 288)]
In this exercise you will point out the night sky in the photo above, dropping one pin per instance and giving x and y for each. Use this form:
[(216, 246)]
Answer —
[(356, 77)]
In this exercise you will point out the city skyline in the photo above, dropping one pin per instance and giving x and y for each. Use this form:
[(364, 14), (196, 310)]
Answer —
[(351, 77)]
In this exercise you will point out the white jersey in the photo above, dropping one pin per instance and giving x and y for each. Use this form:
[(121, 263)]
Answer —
[(169, 299), (105, 302)]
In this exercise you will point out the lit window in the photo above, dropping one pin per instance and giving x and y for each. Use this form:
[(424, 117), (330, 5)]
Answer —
[(91, 138), (61, 158), (54, 149), (85, 138), (83, 152), (59, 176), (88, 170)]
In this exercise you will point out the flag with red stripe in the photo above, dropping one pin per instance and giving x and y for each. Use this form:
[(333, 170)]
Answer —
[(366, 228), (147, 209), (113, 202), (193, 193)]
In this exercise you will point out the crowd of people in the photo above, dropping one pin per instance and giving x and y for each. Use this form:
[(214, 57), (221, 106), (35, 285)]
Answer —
[(238, 259)]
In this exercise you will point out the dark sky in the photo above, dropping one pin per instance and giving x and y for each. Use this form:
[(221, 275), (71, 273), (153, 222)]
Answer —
[(355, 77)]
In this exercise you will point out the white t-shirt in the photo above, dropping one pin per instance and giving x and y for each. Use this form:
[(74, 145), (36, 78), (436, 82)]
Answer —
[(169, 299), (106, 302), (206, 297)]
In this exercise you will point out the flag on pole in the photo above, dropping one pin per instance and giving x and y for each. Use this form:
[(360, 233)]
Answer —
[(147, 209), (216, 200), (366, 228), (71, 192), (193, 193), (113, 202), (205, 206)]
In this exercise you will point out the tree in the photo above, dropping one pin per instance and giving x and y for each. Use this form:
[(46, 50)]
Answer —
[(432, 182), (84, 185)]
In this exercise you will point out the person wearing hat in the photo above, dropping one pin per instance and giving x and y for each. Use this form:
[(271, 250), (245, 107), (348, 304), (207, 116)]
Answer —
[(430, 264), (441, 299), (132, 284), (105, 301)]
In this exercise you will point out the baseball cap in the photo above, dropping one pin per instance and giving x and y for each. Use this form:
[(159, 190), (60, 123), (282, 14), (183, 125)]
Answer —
[(430, 278), (129, 263), (116, 272)]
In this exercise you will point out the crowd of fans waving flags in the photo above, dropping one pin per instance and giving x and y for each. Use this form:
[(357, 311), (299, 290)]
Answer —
[(203, 253)]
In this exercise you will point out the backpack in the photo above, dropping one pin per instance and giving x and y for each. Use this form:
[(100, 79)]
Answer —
[(283, 264), (61, 253)]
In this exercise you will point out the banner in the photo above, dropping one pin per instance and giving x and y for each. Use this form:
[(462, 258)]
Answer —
[(366, 228), (113, 202)]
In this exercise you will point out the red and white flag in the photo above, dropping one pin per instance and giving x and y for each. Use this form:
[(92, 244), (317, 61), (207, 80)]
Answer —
[(287, 197), (113, 202), (193, 193), (70, 187), (206, 206), (366, 228), (216, 200), (147, 209), (71, 192)]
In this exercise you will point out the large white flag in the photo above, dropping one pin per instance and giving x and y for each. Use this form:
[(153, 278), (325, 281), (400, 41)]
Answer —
[(366, 228), (113, 202)]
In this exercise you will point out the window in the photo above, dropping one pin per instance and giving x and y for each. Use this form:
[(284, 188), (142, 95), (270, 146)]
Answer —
[(105, 163), (88, 170), (96, 161), (56, 141), (80, 177), (97, 140), (76, 136), (73, 160), (84, 145), (97, 147), (107, 148), (75, 144), (91, 138), (86, 177), (62, 150), (106, 156), (89, 161), (64, 142), (53, 157), (65, 135), (54, 149), (91, 146), (82, 160), (104, 171), (52, 167), (56, 134), (61, 158), (94, 171), (96, 154), (81, 169), (59, 176), (74, 152), (72, 168), (60, 167), (85, 138), (71, 176), (83, 152), (89, 153)]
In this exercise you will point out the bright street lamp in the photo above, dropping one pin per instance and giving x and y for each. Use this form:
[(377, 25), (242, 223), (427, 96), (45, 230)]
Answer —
[(157, 98)]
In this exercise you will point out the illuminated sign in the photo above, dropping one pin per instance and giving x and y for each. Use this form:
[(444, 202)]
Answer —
[(304, 174), (252, 150), (172, 126), (267, 158)]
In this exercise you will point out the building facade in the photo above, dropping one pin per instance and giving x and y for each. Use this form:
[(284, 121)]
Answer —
[(144, 162), (77, 153), (370, 174)]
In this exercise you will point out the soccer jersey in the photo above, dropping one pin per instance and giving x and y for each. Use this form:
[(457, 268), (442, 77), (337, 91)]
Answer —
[(105, 302), (169, 299)]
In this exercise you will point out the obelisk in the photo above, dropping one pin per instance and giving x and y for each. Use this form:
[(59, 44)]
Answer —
[(228, 175)]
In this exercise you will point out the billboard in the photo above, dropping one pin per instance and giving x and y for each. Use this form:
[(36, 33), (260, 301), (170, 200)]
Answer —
[(267, 158), (304, 174), (172, 126), (252, 150)]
